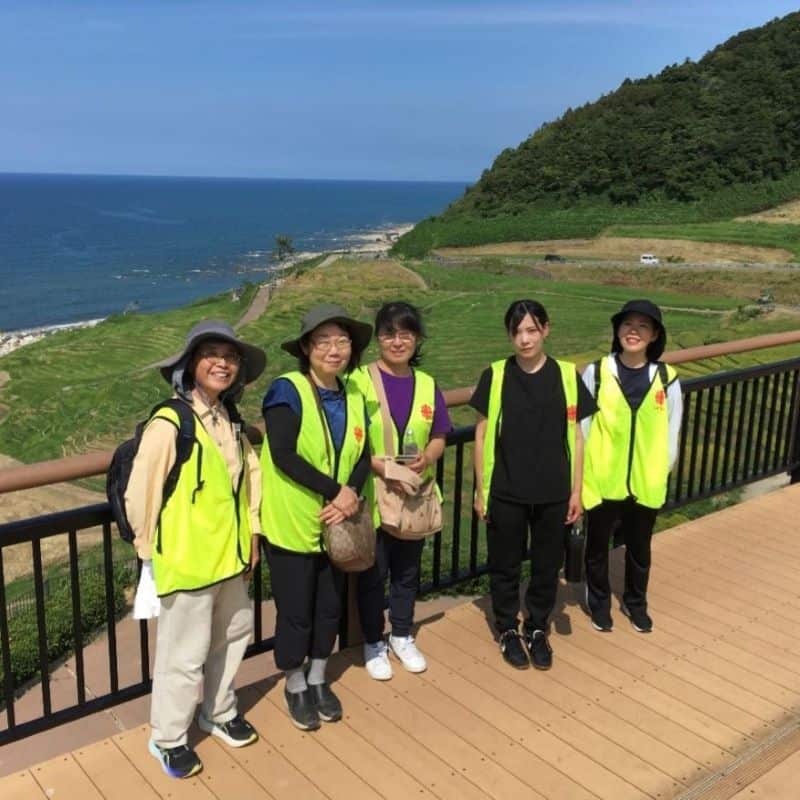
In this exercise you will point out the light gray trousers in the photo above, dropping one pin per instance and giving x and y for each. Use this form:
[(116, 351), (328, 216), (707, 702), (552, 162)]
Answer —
[(201, 640)]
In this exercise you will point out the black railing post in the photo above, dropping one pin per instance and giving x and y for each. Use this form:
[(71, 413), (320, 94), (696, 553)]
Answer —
[(794, 472)]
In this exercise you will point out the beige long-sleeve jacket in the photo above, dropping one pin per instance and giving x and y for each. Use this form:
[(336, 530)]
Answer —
[(155, 457)]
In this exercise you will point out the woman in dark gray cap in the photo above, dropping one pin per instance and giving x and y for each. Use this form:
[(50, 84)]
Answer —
[(315, 461), (197, 546), (632, 443)]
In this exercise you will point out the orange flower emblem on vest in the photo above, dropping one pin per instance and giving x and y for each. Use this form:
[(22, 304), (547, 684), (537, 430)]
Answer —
[(660, 397), (426, 411), (572, 413), (358, 433)]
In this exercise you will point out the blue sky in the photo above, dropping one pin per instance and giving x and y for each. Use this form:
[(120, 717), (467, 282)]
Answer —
[(407, 90)]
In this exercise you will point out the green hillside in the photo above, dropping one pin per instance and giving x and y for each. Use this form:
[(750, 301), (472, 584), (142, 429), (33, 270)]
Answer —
[(697, 143)]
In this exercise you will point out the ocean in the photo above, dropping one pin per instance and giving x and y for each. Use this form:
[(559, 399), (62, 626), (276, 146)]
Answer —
[(75, 248)]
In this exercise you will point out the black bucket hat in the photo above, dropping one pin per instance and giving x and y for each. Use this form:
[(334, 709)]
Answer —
[(254, 360), (656, 348), (360, 332)]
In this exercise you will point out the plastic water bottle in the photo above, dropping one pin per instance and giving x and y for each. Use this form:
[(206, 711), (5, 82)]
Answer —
[(410, 449)]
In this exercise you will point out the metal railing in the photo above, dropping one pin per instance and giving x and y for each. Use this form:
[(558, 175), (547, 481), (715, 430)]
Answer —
[(738, 427)]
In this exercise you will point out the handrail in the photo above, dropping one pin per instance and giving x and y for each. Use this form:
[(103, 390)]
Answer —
[(44, 473)]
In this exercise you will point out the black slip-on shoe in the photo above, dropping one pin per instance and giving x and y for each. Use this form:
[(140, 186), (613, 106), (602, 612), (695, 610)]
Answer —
[(639, 618), (512, 649), (328, 706), (539, 648), (601, 620), (302, 709)]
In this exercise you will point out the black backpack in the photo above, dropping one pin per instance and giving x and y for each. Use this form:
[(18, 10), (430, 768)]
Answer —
[(119, 471)]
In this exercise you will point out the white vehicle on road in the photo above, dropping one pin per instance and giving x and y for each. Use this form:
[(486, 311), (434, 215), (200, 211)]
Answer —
[(648, 258)]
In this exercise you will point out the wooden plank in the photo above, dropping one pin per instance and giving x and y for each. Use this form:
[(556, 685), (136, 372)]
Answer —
[(375, 768), (112, 773), (265, 764), (589, 734), (21, 786), (224, 775), (133, 744), (435, 774), (694, 719), (62, 777), (305, 751), (780, 783), (461, 755)]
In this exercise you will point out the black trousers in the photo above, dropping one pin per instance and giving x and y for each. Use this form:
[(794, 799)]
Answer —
[(398, 559), (637, 529), (507, 540), (308, 593)]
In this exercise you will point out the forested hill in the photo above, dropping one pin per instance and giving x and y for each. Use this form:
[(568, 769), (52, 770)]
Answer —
[(730, 119)]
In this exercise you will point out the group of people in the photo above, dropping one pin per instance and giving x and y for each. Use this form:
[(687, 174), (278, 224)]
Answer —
[(548, 444)]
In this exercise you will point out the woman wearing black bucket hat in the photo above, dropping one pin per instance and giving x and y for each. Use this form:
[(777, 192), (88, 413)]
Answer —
[(198, 545), (632, 443), (315, 462)]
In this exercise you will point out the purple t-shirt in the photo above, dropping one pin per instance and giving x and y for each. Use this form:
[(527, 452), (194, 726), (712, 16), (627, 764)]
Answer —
[(400, 394)]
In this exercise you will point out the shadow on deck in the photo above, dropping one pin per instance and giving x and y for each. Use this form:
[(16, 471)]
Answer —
[(706, 706)]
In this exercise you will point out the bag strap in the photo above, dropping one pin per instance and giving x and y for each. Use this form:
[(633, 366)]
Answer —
[(597, 365), (322, 419), (380, 390), (662, 373)]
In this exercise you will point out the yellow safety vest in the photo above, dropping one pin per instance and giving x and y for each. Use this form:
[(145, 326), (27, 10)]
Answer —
[(420, 419), (627, 453), (203, 533), (290, 511), (494, 421)]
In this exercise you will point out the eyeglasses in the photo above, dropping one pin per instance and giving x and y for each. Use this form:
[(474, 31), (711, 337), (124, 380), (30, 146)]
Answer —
[(327, 343), (217, 357), (405, 337)]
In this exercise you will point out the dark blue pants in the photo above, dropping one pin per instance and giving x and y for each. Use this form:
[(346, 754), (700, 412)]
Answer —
[(397, 559)]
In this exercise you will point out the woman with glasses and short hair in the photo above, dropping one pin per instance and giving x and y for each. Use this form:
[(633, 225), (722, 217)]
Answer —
[(197, 546), (420, 421), (315, 461)]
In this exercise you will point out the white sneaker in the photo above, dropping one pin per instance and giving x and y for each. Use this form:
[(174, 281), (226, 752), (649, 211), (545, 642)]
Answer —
[(405, 649), (376, 660)]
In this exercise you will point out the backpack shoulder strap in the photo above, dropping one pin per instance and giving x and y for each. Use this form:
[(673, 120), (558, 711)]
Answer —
[(184, 442), (663, 373), (597, 374)]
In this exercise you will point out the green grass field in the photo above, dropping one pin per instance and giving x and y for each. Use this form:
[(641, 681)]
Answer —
[(87, 388)]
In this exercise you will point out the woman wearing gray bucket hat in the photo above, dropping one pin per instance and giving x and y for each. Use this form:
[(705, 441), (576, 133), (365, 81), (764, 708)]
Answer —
[(198, 544), (315, 461), (632, 443)]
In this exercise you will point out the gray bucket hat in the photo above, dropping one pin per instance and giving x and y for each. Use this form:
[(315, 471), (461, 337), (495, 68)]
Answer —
[(253, 358), (360, 332)]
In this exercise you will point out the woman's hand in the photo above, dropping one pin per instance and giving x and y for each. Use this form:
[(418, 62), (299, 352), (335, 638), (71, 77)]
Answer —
[(255, 556), (419, 464), (344, 505), (331, 515), (574, 508), (478, 506)]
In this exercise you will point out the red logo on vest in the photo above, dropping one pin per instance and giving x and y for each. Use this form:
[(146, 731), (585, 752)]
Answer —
[(572, 413), (358, 433), (426, 411), (660, 397)]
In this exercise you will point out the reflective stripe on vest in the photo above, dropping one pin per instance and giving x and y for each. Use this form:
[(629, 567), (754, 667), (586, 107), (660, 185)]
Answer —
[(420, 418), (289, 511), (495, 418), (627, 453), (203, 533)]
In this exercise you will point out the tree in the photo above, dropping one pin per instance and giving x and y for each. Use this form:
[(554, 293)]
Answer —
[(284, 247)]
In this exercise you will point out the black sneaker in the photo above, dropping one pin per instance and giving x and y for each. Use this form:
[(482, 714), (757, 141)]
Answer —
[(302, 709), (237, 732), (540, 650), (328, 706), (639, 618), (601, 620), (512, 649), (177, 762)]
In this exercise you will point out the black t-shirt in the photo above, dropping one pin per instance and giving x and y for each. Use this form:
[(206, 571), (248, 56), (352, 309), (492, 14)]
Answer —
[(531, 460), (635, 382)]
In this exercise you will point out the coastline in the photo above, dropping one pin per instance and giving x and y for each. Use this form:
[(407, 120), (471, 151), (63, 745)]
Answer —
[(375, 243)]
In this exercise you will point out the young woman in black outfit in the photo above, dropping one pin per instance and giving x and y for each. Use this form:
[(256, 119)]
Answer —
[(528, 465)]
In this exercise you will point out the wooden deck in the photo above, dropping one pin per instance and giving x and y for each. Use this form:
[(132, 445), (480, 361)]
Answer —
[(707, 706)]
